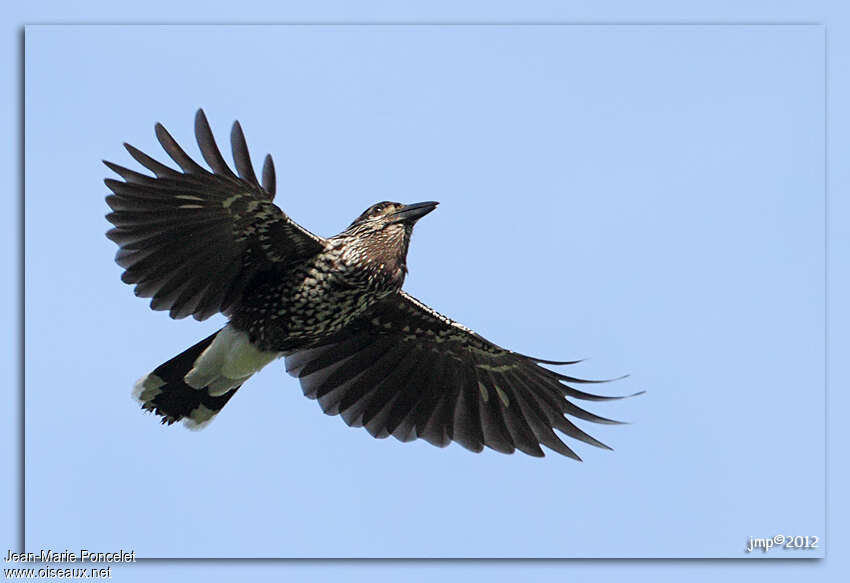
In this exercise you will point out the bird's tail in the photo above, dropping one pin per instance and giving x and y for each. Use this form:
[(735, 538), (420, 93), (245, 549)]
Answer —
[(198, 382)]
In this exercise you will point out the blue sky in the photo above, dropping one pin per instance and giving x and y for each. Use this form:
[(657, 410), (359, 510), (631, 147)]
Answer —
[(656, 195)]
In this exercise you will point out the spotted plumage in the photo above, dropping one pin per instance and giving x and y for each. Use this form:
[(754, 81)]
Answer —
[(199, 242)]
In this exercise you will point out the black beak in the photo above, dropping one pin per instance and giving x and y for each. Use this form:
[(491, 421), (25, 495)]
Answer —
[(410, 213)]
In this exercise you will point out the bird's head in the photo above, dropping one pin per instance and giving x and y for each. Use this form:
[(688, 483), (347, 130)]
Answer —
[(386, 214), (381, 235)]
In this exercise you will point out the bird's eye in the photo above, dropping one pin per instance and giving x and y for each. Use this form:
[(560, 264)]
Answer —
[(378, 209)]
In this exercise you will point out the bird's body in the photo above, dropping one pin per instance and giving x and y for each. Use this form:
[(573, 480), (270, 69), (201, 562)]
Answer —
[(320, 295), (201, 242)]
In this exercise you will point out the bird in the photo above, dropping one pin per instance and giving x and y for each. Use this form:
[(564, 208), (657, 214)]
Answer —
[(200, 241)]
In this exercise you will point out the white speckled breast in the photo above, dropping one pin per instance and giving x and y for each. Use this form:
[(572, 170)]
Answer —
[(317, 299)]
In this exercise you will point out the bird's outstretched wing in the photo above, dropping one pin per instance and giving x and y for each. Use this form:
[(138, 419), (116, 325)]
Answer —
[(405, 370), (192, 239)]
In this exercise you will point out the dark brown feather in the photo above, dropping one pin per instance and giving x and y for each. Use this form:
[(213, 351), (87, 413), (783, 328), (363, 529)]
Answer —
[(404, 370), (193, 240)]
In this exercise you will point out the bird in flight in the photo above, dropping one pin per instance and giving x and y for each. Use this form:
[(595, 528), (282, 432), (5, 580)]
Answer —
[(200, 242)]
